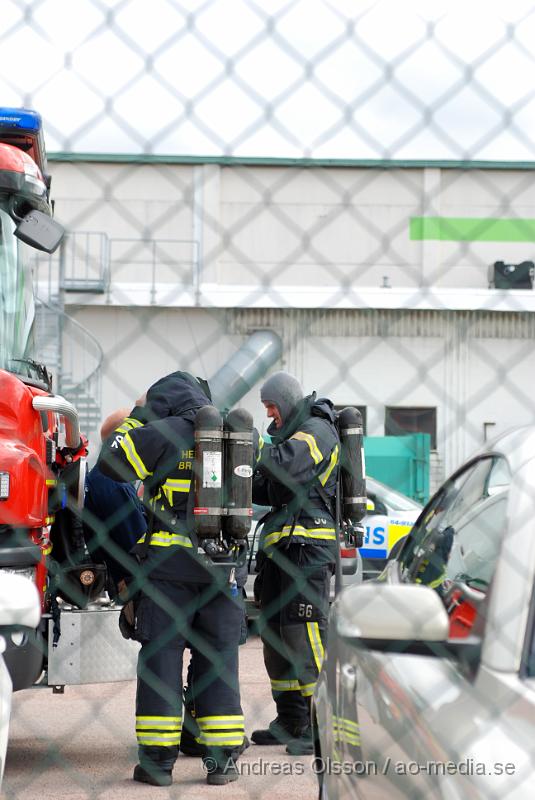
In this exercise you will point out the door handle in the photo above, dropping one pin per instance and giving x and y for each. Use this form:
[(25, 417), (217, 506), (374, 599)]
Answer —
[(349, 677)]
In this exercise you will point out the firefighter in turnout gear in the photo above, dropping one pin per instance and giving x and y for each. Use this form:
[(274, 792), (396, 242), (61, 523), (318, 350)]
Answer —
[(297, 476), (180, 597)]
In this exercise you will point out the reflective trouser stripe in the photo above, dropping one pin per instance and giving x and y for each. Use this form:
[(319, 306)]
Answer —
[(158, 731), (285, 686), (316, 644), (221, 731)]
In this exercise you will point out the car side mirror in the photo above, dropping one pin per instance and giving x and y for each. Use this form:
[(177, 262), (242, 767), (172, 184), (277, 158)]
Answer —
[(40, 231), (381, 614)]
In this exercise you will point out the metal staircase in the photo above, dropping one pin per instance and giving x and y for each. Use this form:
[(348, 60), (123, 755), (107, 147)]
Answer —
[(73, 356)]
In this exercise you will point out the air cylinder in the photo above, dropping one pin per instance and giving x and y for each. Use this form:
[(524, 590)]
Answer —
[(238, 473), (352, 464), (208, 472)]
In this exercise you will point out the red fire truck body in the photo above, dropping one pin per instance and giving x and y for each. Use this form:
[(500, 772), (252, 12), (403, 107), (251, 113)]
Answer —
[(42, 454)]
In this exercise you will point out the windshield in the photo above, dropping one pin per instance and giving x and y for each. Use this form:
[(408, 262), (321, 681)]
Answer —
[(17, 309), (395, 500)]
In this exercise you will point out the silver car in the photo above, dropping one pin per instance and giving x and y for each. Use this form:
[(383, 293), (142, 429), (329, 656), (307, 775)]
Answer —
[(428, 685)]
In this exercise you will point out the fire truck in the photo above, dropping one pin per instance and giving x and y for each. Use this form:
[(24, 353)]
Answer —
[(42, 451)]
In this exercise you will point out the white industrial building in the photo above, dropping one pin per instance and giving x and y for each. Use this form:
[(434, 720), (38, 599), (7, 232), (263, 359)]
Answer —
[(374, 275)]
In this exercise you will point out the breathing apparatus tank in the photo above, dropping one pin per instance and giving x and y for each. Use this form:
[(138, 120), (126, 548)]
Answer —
[(352, 465), (238, 474), (208, 476), (223, 470)]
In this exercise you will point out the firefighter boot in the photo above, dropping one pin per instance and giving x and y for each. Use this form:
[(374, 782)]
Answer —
[(279, 732), (155, 767), (220, 765), (302, 744)]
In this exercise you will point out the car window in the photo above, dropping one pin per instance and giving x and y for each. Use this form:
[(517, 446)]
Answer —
[(389, 496), (378, 506), (455, 546)]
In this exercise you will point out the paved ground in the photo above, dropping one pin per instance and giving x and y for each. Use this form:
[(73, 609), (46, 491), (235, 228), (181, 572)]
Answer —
[(81, 746)]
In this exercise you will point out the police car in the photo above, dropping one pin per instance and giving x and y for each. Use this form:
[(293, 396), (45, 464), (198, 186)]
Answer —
[(390, 517)]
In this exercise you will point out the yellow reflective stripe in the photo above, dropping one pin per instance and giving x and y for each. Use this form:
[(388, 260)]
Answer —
[(345, 730), (347, 724), (315, 452), (221, 730), (260, 448), (349, 738), (47, 550), (437, 582), (158, 739), (177, 484), (158, 731), (307, 689), (51, 482), (158, 723), (315, 642), (166, 539), (132, 455), (221, 740), (128, 424), (324, 477), (285, 686), (174, 485), (307, 533), (49, 520), (233, 721)]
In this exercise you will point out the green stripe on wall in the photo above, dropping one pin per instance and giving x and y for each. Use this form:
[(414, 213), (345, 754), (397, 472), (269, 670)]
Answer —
[(472, 229)]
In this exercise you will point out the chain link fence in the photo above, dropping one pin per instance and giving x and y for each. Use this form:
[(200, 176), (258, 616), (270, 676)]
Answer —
[(352, 182)]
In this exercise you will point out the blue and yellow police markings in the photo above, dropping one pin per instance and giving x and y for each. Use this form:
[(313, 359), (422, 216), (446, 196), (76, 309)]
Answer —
[(382, 533)]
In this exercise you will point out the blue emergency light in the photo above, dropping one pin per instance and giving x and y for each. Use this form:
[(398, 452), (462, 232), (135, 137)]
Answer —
[(23, 128), (22, 119)]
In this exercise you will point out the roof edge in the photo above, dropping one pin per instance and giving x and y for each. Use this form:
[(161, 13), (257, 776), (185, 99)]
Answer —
[(231, 161)]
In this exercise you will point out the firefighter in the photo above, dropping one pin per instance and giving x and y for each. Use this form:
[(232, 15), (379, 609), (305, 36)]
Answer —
[(296, 475), (113, 516), (183, 598)]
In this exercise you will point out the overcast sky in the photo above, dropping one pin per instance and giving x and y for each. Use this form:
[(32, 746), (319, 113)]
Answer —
[(317, 78)]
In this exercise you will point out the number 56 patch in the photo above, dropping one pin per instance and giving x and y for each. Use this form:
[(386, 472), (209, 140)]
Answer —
[(302, 611)]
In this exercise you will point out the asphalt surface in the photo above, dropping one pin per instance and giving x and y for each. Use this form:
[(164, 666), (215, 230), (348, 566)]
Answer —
[(81, 746)]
